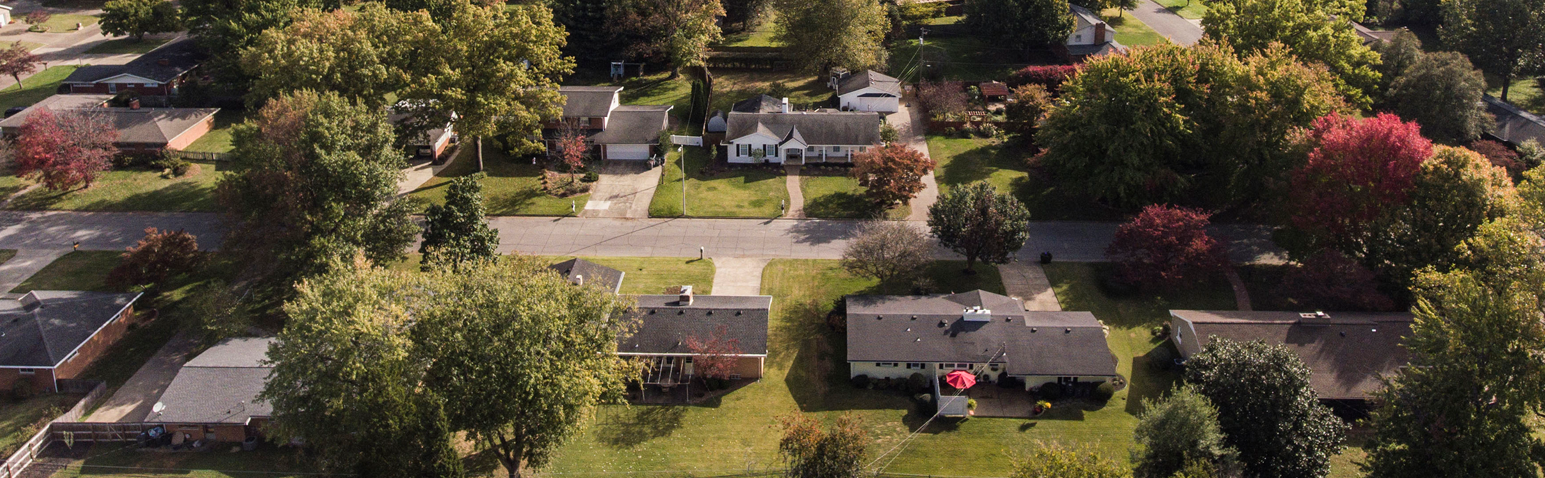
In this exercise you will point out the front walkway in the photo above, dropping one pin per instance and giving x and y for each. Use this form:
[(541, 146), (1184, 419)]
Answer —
[(910, 123), (738, 275), (24, 264), (796, 206), (133, 401), (1028, 282), (624, 190)]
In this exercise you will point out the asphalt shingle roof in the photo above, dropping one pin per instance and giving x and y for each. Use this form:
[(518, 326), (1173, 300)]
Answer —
[(634, 125), (759, 104), (665, 324), (869, 78), (44, 333), (143, 125), (181, 56), (1514, 125), (933, 329), (1346, 352), (587, 101), (593, 273), (819, 128), (218, 386)]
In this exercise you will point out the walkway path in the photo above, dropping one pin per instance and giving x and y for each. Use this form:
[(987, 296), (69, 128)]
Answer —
[(1028, 282), (624, 190), (909, 123), (1173, 26), (24, 264), (1241, 293), (133, 401), (796, 208), (738, 275)]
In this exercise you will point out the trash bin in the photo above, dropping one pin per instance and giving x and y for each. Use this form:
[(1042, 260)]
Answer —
[(1046, 258), (249, 444)]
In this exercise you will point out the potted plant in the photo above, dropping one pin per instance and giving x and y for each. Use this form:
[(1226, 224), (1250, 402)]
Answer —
[(971, 406), (1041, 407)]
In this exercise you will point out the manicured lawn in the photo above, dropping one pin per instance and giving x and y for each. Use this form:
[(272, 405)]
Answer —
[(1132, 32), (79, 270), (35, 88), (513, 186), (804, 91), (128, 45), (218, 139), (1524, 93), (1192, 9), (133, 190), (269, 461), (6, 255), (760, 36), (26, 44), (10, 184), (19, 420), (735, 192), (65, 22), (963, 161), (834, 196), (963, 58), (651, 275)]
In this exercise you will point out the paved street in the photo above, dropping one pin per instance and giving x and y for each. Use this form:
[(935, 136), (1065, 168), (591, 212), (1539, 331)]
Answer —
[(109, 231), (1174, 27)]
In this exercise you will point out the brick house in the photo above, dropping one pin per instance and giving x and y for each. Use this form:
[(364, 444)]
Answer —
[(139, 129), (214, 396), (50, 335), (617, 131), (157, 74)]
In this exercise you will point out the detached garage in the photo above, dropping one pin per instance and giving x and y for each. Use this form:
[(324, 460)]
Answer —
[(632, 132), (870, 91)]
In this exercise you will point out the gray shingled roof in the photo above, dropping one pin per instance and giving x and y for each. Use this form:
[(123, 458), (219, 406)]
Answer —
[(1346, 353), (587, 101), (869, 78), (820, 128), (665, 325), (933, 329), (593, 273), (218, 386), (143, 125), (634, 125), (1514, 125), (759, 104), (44, 332), (181, 56)]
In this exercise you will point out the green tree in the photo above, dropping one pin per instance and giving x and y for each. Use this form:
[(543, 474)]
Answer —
[(313, 180), (1455, 192), (1315, 31), (521, 356), (225, 28), (1021, 24), (1054, 461), (140, 17), (977, 222), (811, 452), (1464, 405), (1502, 37), (366, 55), (1267, 408), (347, 380), (822, 34), (675, 32), (1442, 92), (456, 232), (1177, 430), (590, 39)]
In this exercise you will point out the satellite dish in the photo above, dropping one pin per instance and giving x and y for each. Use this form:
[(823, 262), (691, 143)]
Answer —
[(158, 407)]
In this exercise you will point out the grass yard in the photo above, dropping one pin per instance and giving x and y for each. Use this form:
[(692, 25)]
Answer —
[(1524, 93), (1190, 9), (218, 139), (840, 196), (79, 270), (738, 192), (651, 275), (65, 22), (759, 36), (133, 190), (6, 255), (33, 89), (1130, 31), (19, 420), (10, 184), (804, 90), (964, 161), (963, 58), (128, 45), (29, 45), (268, 461), (513, 186)]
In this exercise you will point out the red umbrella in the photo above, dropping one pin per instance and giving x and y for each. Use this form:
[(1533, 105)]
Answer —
[(960, 379)]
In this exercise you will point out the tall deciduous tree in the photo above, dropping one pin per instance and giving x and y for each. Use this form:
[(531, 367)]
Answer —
[(367, 55), (1267, 408), (1029, 104), (892, 173), (156, 257), (888, 251), (1021, 24), (1455, 192), (64, 150), (977, 222), (1314, 31), (1357, 170), (1166, 247), (1178, 429), (812, 452), (140, 18), (822, 34), (1055, 461), (226, 28), (1502, 37), (1441, 91), (17, 60), (675, 32), (456, 232), (313, 180)]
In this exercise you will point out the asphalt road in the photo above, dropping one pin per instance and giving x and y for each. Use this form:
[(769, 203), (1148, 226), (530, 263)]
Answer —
[(1174, 27)]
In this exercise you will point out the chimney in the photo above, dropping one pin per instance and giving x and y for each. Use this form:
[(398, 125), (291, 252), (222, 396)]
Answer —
[(31, 300), (976, 314), (1099, 33), (579, 279), (785, 104), (686, 296), (164, 62), (134, 104)]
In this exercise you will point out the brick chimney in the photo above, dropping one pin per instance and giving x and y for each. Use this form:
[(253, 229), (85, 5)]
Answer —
[(1099, 33), (686, 296)]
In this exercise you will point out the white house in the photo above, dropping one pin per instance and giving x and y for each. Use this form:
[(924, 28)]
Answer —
[(800, 137), (869, 91), (1091, 36), (5, 15), (621, 132)]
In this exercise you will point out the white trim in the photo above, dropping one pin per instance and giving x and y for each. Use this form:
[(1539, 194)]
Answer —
[(98, 331), (35, 367), (121, 75)]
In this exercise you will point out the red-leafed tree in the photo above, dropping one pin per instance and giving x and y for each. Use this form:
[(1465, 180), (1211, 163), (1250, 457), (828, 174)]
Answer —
[(571, 151), (158, 256), (1357, 169), (16, 61), (942, 99), (714, 357), (1165, 247), (892, 173), (64, 150), (1332, 281), (1050, 77), (1499, 155)]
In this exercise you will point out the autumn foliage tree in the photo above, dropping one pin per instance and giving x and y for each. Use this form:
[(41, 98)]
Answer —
[(1357, 169), (159, 255), (942, 99), (571, 152), (714, 356), (892, 173), (64, 150), (17, 60), (1166, 247), (812, 452)]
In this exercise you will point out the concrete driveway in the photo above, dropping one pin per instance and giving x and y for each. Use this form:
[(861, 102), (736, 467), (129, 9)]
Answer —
[(913, 126), (133, 401), (1173, 26), (624, 190)]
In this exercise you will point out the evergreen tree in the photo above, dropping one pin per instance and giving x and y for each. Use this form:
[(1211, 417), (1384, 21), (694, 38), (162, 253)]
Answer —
[(456, 232)]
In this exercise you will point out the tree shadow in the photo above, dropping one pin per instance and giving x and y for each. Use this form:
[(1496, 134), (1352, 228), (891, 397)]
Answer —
[(513, 202), (1152, 376), (969, 166), (842, 205), (639, 424)]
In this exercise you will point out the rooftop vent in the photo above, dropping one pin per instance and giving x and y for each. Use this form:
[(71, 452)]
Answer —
[(976, 314), (579, 279), (31, 300), (686, 296)]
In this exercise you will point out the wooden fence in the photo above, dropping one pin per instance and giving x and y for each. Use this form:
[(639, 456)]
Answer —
[(19, 461), (201, 156)]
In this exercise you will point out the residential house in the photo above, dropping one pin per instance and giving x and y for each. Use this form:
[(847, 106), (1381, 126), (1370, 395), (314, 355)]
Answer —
[(1514, 125), (990, 335), (581, 272), (48, 336), (669, 322), (822, 136), (1347, 352), (869, 91), (157, 74), (1371, 37), (139, 129), (1091, 37), (426, 143), (620, 132), (214, 396)]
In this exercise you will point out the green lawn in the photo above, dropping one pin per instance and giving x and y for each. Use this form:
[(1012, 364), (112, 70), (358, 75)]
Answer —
[(29, 45), (133, 190), (19, 420), (761, 36), (218, 139), (128, 45), (964, 161), (1132, 32), (1191, 9), (10, 184), (1524, 93), (268, 462), (65, 22), (832, 196), (651, 275), (79, 270), (738, 192), (962, 58), (6, 255), (513, 186), (35, 88)]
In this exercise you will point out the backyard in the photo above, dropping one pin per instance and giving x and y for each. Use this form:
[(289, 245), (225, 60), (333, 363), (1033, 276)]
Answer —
[(268, 462), (731, 192), (730, 86), (218, 139), (35, 88), (513, 186), (963, 161), (132, 189), (1524, 93)]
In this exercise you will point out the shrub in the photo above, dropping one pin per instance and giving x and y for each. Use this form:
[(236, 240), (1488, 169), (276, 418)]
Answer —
[(23, 389), (988, 130), (917, 383), (1166, 247), (914, 12), (888, 134), (1050, 77), (779, 89), (924, 398), (1160, 358), (1500, 155), (1052, 391), (36, 18), (971, 404), (157, 256), (1104, 391), (1531, 154), (837, 318), (590, 177), (168, 161), (860, 381), (950, 131), (135, 160)]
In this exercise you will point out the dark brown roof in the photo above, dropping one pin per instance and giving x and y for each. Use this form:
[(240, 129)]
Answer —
[(993, 88), (220, 385), (867, 79), (138, 126), (587, 101), (1347, 352), (665, 324), (634, 125), (933, 329), (593, 273), (759, 104), (1514, 125), (44, 327), (815, 128)]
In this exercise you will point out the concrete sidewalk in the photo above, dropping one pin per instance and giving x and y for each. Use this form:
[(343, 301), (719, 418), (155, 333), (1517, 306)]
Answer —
[(738, 275), (796, 206), (26, 263)]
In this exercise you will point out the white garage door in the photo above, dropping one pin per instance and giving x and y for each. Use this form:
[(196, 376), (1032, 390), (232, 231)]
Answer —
[(627, 151), (881, 104)]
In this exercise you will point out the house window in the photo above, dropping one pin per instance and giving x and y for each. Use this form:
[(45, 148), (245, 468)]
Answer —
[(914, 365), (811, 149), (863, 149), (886, 364), (993, 367), (769, 150), (742, 150), (689, 360), (836, 149), (1079, 37), (27, 371), (112, 87)]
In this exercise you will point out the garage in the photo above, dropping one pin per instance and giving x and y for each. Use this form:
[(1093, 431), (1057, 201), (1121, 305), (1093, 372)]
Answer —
[(627, 151), (876, 102)]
